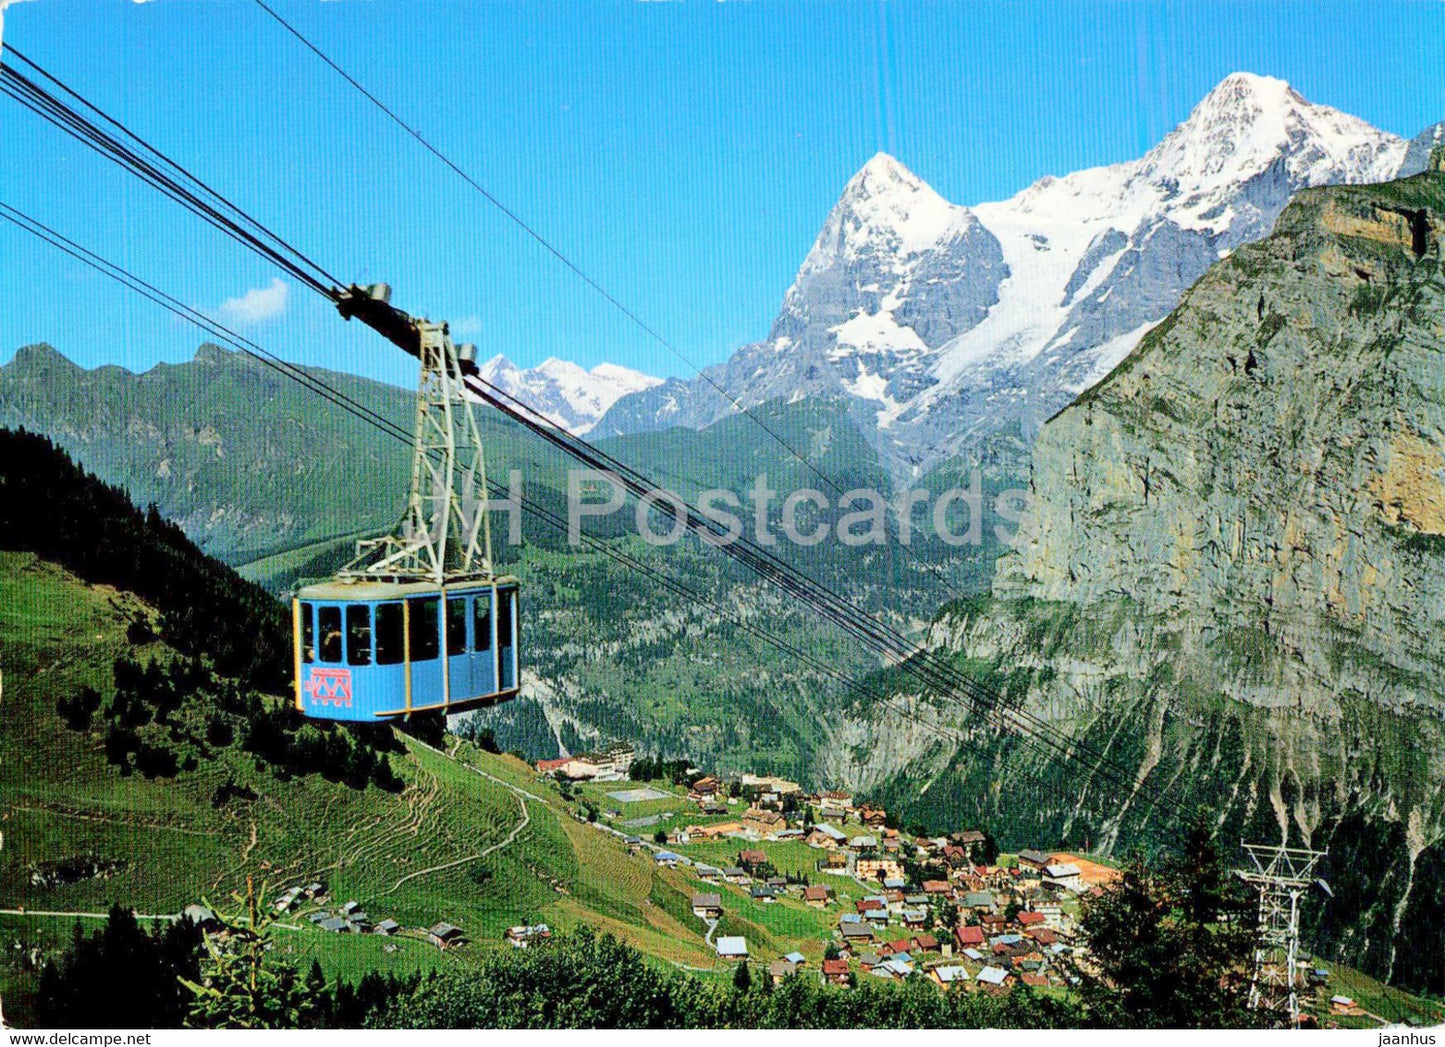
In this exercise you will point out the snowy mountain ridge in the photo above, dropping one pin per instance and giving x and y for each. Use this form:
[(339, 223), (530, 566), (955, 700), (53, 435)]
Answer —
[(944, 324), (567, 394)]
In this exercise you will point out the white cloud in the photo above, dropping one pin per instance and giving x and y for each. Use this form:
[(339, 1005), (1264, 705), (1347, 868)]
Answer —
[(257, 305), (467, 326)]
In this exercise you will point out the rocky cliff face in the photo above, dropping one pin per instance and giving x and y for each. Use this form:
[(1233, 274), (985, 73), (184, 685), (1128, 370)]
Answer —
[(1234, 591)]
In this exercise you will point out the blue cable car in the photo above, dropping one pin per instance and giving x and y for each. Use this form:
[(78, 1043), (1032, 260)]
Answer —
[(418, 621), (368, 651)]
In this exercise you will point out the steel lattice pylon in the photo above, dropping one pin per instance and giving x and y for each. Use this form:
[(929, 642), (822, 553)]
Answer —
[(445, 534), (1281, 875)]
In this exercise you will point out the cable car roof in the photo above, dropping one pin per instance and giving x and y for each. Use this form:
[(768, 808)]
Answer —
[(337, 589)]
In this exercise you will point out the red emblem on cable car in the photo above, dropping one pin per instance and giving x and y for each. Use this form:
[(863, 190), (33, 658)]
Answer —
[(329, 686)]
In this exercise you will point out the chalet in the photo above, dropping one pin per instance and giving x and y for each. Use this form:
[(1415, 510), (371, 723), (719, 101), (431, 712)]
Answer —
[(966, 936), (712, 807), (552, 766), (835, 972), (764, 822), (679, 837), (315, 891), (797, 959), (522, 937), (667, 859), (1030, 919), (863, 843), (949, 976), (896, 969), (704, 789), (632, 842), (778, 883), (955, 857), (834, 862), (707, 906), (732, 948), (386, 927), (993, 923), (856, 932), (789, 834), (1033, 859), (993, 976), (348, 908), (873, 816), (937, 887), (925, 943), (895, 883), (446, 936), (737, 875), (824, 835), (761, 892), (1066, 875), (915, 918), (896, 946), (336, 924), (1044, 935), (780, 971), (750, 860), (819, 896), (314, 917), (967, 837), (916, 900), (1037, 981), (870, 904), (978, 900), (869, 960)]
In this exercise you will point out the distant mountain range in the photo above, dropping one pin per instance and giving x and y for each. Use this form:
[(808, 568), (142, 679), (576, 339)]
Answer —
[(944, 325), (566, 393)]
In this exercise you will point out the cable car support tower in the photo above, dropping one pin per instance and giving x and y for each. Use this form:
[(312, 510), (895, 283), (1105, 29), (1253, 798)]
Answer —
[(445, 535), (1282, 876)]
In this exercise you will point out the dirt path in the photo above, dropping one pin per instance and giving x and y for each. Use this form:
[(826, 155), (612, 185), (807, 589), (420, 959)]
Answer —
[(521, 794)]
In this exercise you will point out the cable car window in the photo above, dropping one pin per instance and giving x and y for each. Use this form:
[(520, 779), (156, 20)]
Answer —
[(425, 643), (358, 635), (389, 650), (457, 625), (329, 622), (482, 623), (308, 635), (504, 618)]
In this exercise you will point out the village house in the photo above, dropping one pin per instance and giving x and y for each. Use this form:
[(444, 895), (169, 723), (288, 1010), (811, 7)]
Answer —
[(925, 943), (949, 976), (761, 892), (780, 971), (667, 859), (769, 784), (712, 807), (707, 873), (863, 843), (818, 896), (834, 862), (732, 948), (1033, 859), (875, 817), (707, 906), (879, 868), (825, 836), (835, 972), (993, 977), (968, 936), (1066, 875), (1028, 919), (855, 933), (386, 927), (737, 875), (752, 859), (704, 790), (446, 936), (522, 937), (763, 821)]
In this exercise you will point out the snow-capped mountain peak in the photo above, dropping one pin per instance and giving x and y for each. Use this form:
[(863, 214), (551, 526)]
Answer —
[(947, 325), (566, 393)]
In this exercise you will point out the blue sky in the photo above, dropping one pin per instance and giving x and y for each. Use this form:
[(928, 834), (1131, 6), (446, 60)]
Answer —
[(684, 153)]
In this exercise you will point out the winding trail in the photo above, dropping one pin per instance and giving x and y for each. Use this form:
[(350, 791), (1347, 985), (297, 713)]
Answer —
[(521, 794)]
